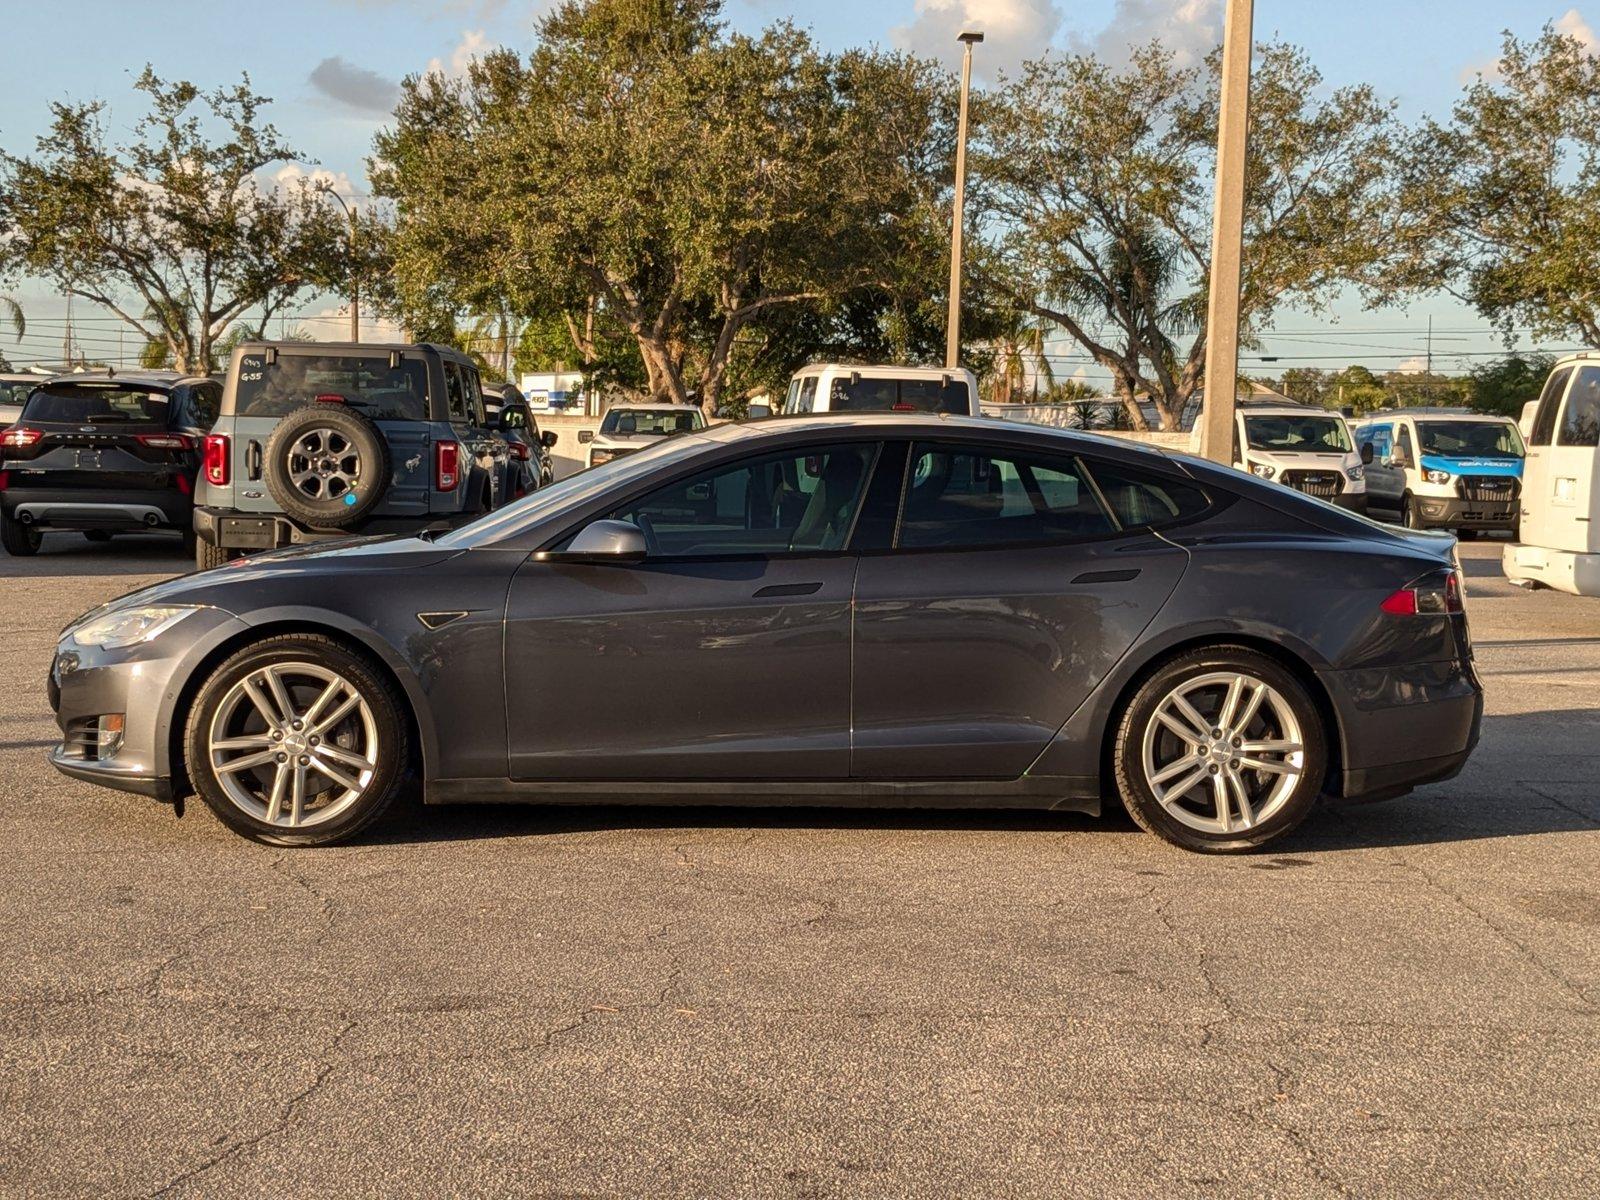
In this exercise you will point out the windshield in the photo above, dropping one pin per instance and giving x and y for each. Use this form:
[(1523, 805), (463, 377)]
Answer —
[(1298, 435), (89, 404), (948, 394), (364, 382), (568, 492), (1470, 439), (15, 391), (655, 422)]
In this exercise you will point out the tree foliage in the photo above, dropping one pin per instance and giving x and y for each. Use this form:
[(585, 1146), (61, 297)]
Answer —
[(1096, 185), (171, 231)]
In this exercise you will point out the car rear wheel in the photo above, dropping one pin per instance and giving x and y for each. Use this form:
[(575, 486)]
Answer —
[(1222, 749), (19, 540), (297, 742), (208, 555)]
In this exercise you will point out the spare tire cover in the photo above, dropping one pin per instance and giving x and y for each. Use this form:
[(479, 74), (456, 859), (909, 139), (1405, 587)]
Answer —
[(327, 465)]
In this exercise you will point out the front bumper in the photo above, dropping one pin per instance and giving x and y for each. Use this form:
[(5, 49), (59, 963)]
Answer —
[(145, 684), (1451, 512), (97, 508), (1355, 502)]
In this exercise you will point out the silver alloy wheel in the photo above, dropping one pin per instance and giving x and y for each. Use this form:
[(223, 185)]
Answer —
[(1223, 752), (324, 464), (293, 744)]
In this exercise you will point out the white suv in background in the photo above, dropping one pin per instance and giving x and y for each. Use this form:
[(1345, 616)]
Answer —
[(1305, 448), (839, 387), (629, 427)]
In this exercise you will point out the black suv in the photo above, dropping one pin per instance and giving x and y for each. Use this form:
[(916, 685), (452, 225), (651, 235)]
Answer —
[(330, 439), (102, 454)]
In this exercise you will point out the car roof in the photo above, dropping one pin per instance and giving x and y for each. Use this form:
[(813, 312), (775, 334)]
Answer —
[(883, 370), (1278, 408), (652, 406), (154, 380), (359, 347)]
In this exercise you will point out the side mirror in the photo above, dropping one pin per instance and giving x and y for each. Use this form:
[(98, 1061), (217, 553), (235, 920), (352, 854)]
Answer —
[(584, 435), (603, 541), (757, 412), (1525, 425), (548, 439), (1366, 453)]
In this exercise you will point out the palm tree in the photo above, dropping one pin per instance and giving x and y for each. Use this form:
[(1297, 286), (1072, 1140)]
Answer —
[(1019, 359), (12, 313)]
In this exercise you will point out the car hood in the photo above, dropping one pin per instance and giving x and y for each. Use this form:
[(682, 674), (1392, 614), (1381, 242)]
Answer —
[(628, 441)]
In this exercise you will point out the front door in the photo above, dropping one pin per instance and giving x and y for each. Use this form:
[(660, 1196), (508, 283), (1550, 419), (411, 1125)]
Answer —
[(1386, 483), (725, 654), (1009, 595)]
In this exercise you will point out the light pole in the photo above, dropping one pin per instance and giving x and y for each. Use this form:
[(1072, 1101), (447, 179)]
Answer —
[(355, 278), (952, 345), (1227, 238)]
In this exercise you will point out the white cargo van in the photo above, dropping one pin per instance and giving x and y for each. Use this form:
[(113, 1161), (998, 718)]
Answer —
[(1559, 544), (1305, 448), (839, 387), (1443, 468)]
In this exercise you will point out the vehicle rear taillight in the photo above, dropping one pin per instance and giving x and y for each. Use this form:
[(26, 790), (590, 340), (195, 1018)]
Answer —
[(166, 441), (5, 480), (1433, 595), (214, 459), (902, 406), (447, 466), (519, 451), (185, 484), (20, 437), (330, 398)]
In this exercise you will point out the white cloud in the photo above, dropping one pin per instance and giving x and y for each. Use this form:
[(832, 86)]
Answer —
[(333, 325), (290, 175), (1570, 23), (1015, 31), (1415, 365), (354, 87), (472, 45), (1190, 29)]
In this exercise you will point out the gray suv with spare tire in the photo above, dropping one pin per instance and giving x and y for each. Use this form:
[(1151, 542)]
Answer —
[(318, 440)]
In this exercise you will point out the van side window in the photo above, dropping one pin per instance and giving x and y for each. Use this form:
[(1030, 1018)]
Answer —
[(808, 395), (1580, 420), (1544, 421), (1380, 438)]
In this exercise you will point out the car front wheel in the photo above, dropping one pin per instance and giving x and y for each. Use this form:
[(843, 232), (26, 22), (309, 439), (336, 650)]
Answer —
[(297, 742), (1222, 749)]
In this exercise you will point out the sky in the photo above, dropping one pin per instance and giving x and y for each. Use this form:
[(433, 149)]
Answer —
[(333, 69)]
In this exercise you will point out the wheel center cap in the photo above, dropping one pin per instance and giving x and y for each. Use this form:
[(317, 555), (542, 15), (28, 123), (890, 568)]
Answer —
[(295, 743)]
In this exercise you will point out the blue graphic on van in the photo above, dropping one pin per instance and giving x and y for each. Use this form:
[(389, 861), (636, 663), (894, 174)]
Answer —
[(1473, 466)]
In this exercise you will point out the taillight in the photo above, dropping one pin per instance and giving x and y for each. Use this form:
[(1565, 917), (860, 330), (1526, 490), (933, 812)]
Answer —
[(5, 480), (214, 459), (330, 398), (1431, 596), (185, 484), (519, 451), (447, 466), (20, 437), (166, 441)]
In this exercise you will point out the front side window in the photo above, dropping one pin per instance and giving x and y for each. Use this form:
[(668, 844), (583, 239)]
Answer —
[(1380, 438), (654, 422), (1297, 435), (968, 496), (1544, 420), (1406, 451), (1470, 439), (797, 502), (367, 383), (14, 391), (1580, 420), (455, 392), (89, 404)]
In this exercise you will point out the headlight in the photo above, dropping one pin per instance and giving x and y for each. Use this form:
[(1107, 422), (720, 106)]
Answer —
[(596, 457), (1356, 472), (1263, 470), (130, 626), (1433, 476)]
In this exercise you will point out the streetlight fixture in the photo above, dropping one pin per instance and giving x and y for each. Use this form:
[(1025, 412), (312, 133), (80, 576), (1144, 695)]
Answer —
[(952, 345), (326, 189)]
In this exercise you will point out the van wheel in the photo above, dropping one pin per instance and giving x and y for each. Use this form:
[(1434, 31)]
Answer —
[(19, 540), (1221, 750), (1408, 513)]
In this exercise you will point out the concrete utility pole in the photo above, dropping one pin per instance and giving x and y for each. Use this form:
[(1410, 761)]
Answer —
[(355, 276), (952, 344), (1227, 237)]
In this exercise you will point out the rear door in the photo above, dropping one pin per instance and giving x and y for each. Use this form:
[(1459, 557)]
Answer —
[(104, 435), (1572, 459), (1015, 582), (1539, 515)]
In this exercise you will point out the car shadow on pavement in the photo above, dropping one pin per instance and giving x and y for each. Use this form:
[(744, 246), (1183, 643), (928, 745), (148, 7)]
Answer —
[(1532, 774), (74, 554)]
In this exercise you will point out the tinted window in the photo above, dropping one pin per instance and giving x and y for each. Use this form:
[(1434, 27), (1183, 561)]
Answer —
[(204, 401), (776, 504), (1142, 499), (968, 496), (1580, 420), (455, 392), (1314, 435), (1544, 420), (87, 404), (656, 421), (945, 394), (366, 383)]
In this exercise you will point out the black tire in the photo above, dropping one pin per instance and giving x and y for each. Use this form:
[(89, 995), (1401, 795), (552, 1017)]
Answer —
[(392, 753), (206, 554), (350, 441), (97, 535), (19, 540), (1408, 513), (1139, 715), (1467, 535)]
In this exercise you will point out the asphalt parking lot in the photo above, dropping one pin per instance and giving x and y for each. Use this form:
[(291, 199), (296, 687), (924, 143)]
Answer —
[(1402, 999)]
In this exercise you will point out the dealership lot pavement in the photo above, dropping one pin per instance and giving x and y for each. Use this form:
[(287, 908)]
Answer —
[(1402, 999)]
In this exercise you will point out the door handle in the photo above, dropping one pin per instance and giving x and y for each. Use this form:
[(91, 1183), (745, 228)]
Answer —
[(788, 589), (1107, 577)]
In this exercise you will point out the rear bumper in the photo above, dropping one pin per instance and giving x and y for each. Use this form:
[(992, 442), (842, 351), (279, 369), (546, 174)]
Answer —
[(1564, 570), (1448, 512), (234, 530), (1404, 726), (97, 508)]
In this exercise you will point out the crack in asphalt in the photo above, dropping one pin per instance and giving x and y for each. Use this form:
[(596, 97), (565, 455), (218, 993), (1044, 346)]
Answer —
[(1562, 804)]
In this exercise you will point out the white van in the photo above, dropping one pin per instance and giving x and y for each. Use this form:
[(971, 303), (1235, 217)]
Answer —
[(838, 387), (1444, 468), (1559, 545), (1305, 448)]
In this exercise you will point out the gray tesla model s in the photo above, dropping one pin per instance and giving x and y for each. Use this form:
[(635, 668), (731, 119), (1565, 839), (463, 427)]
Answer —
[(867, 610)]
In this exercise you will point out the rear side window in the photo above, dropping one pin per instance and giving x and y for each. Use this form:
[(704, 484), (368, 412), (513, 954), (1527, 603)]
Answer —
[(204, 401), (367, 383), (1544, 419), (959, 496), (1580, 420), (87, 404), (1144, 500), (859, 394)]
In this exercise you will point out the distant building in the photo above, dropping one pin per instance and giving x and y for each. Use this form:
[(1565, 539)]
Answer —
[(556, 391)]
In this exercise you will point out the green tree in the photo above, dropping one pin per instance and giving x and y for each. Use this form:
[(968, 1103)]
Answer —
[(1019, 360), (689, 184), (14, 316), (1505, 385), (1504, 197), (174, 219), (1097, 184)]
